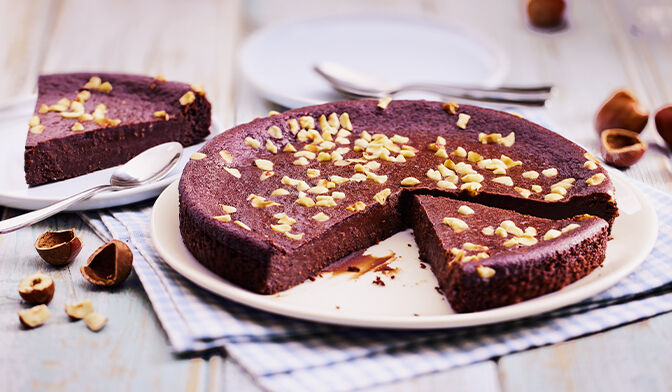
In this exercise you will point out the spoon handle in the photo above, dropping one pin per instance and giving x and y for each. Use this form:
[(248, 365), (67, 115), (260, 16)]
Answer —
[(529, 96), (27, 219)]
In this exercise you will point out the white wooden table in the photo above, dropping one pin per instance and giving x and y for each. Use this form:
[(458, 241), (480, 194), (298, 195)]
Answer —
[(197, 41)]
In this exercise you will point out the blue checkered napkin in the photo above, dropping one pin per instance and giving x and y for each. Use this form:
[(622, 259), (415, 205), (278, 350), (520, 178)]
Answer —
[(287, 354)]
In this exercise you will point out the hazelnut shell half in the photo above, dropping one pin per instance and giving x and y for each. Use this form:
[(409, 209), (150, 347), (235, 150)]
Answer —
[(37, 288), (622, 110), (58, 248), (621, 148), (109, 265), (664, 124)]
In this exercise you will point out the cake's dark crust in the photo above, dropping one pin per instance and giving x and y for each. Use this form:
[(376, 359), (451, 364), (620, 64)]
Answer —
[(520, 274), (267, 262), (59, 153)]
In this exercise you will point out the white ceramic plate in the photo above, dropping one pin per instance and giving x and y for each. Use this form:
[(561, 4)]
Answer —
[(15, 193), (278, 60), (409, 301)]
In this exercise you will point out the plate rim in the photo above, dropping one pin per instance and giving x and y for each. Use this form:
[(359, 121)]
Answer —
[(525, 309), (101, 200), (501, 59)]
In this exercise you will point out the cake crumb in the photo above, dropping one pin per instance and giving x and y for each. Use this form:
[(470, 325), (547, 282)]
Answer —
[(378, 281), (352, 268)]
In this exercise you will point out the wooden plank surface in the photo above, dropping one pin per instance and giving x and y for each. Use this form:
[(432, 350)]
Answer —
[(197, 42)]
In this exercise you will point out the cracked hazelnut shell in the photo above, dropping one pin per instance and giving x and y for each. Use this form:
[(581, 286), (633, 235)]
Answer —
[(621, 148), (35, 316), (546, 14), (109, 265), (622, 110), (663, 121), (37, 288), (58, 248)]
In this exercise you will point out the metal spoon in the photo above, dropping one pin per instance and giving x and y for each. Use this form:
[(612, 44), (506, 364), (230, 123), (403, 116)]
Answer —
[(354, 82), (147, 167)]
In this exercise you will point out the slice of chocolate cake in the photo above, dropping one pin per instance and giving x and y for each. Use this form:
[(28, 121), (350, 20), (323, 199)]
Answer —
[(485, 257), (85, 122)]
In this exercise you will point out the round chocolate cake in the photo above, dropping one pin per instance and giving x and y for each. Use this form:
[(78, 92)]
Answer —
[(272, 202)]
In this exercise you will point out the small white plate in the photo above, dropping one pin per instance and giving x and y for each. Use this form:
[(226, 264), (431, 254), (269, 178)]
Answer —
[(409, 301), (278, 60), (15, 193)]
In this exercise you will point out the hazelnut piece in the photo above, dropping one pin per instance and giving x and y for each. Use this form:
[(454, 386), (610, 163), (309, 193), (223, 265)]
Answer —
[(95, 321), (621, 148), (109, 265), (58, 248), (546, 14), (622, 110), (79, 310), (664, 123), (35, 316), (37, 288)]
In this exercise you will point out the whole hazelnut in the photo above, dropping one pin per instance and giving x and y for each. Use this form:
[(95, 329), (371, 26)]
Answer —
[(622, 110), (546, 14), (58, 248), (621, 148), (664, 123), (37, 288), (109, 265)]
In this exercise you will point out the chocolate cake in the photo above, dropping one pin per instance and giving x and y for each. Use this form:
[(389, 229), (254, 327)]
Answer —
[(274, 201), (85, 122), (485, 257)]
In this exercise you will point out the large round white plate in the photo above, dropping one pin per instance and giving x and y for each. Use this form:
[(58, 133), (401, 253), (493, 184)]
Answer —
[(15, 193), (409, 301), (278, 60)]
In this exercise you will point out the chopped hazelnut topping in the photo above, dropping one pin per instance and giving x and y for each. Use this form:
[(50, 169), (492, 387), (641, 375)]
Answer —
[(471, 187), (226, 156), (590, 165), (228, 209), (325, 201), (532, 175), (381, 197), (552, 172), (273, 113), (43, 109), (284, 218), (162, 114), (77, 127), (293, 126), (460, 152), (318, 190), (35, 120), (443, 184), (252, 142), (551, 234), (266, 174), (536, 188), (523, 192), (509, 162), (553, 197), (321, 217), (508, 140), (272, 148), (263, 164), (474, 157), (384, 101), (458, 225), (485, 272), (93, 83), (338, 195), (471, 246), (243, 225), (280, 192), (462, 120), (260, 202), (305, 201), (511, 228), (504, 180), (160, 78), (596, 179), (83, 96), (198, 88), (434, 175), (307, 122), (37, 129), (338, 179), (275, 132), (222, 218), (570, 227), (233, 172), (473, 177), (197, 156), (451, 107), (465, 210), (344, 120), (301, 162), (590, 157), (358, 206), (488, 230), (410, 181), (87, 117), (313, 173), (296, 237), (500, 231), (281, 228), (289, 148), (441, 153), (188, 98)]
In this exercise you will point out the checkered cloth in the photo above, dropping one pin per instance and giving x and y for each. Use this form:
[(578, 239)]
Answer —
[(284, 354)]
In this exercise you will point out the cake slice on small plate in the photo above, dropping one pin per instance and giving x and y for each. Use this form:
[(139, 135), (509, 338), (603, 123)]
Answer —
[(486, 257), (85, 122)]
